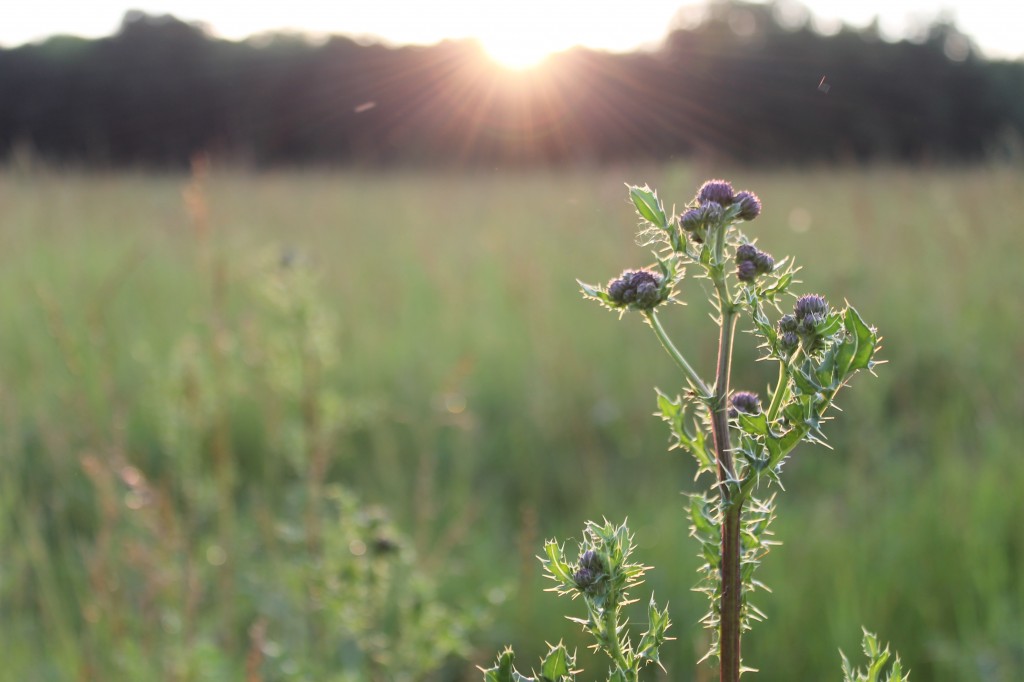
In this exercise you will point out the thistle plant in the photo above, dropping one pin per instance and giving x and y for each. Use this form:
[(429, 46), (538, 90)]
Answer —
[(740, 440), (602, 576)]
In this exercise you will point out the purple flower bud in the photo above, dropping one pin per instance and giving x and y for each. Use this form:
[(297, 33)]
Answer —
[(617, 289), (591, 560), (642, 278), (764, 262), (584, 578), (641, 287), (752, 262), (746, 402), (811, 304), (787, 323), (746, 252), (750, 205), (789, 341), (691, 220), (811, 314), (718, 191), (746, 271), (588, 570), (809, 325), (647, 295), (711, 212)]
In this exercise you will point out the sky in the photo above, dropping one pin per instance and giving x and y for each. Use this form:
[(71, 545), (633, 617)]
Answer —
[(517, 32)]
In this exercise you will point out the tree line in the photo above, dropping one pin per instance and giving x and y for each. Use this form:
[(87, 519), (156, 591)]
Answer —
[(743, 83)]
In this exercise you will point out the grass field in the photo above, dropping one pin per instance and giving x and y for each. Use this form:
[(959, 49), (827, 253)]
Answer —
[(189, 366)]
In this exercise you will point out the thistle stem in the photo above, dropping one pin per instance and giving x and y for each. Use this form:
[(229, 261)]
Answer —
[(780, 388), (695, 381), (732, 585), (611, 618)]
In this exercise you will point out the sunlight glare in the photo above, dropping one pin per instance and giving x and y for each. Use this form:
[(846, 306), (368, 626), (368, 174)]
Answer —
[(514, 53)]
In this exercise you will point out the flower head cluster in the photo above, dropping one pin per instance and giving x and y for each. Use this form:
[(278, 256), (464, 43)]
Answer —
[(639, 287), (751, 262), (788, 338), (712, 200), (589, 571), (809, 316), (721, 192), (697, 221), (745, 402)]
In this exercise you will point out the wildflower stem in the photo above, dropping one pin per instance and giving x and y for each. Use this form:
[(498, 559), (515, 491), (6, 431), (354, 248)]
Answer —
[(611, 618), (732, 586), (695, 381), (777, 397)]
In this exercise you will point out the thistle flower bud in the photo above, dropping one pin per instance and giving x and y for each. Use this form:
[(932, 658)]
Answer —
[(789, 341), (588, 571), (752, 262), (591, 560), (617, 289), (691, 220), (750, 205), (647, 295), (811, 304), (711, 212), (746, 271), (787, 323), (809, 325), (641, 287), (746, 252), (718, 191), (745, 402), (764, 262)]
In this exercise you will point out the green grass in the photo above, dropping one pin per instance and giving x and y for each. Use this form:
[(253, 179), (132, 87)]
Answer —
[(154, 440)]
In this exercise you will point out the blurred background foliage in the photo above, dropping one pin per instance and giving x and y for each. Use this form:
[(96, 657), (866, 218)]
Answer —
[(194, 366)]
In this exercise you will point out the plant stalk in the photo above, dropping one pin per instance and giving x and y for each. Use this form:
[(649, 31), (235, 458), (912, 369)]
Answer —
[(611, 617), (732, 585), (780, 389), (691, 375)]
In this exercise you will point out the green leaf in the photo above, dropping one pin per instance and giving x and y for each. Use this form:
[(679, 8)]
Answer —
[(779, 447), (618, 675), (670, 409), (867, 339), (650, 642), (702, 522), (770, 291), (825, 372), (711, 554), (754, 424), (877, 658), (557, 665), (697, 446), (648, 205), (805, 381), (503, 671), (833, 323), (845, 353), (589, 289), (555, 564), (673, 412)]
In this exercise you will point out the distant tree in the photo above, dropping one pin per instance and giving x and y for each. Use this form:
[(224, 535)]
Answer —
[(751, 82)]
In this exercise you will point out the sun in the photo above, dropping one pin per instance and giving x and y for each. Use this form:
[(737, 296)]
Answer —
[(515, 53)]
